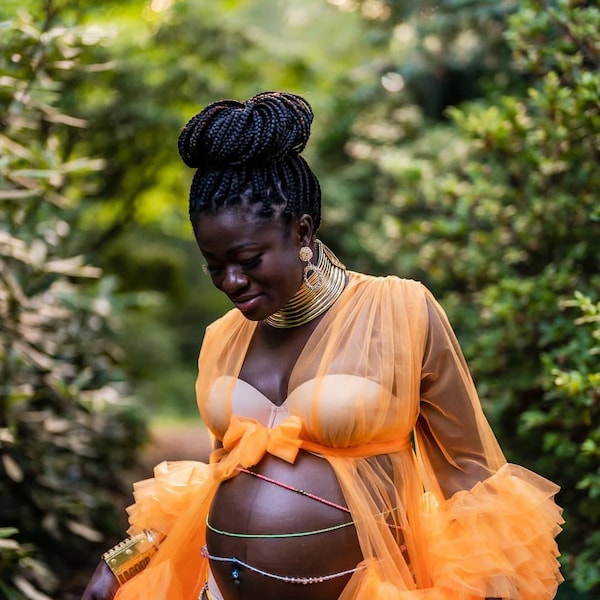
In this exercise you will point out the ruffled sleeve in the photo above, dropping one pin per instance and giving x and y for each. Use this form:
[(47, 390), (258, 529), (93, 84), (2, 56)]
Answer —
[(160, 500), (497, 539), (490, 525)]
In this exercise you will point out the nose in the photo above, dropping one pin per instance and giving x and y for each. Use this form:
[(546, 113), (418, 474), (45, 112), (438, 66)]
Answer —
[(233, 280)]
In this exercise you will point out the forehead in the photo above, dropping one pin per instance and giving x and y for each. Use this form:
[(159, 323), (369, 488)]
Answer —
[(231, 230)]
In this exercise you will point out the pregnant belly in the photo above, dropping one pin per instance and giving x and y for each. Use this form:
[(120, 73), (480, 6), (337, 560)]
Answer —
[(252, 519)]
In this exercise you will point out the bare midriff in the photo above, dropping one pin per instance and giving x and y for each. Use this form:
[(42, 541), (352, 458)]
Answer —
[(250, 506)]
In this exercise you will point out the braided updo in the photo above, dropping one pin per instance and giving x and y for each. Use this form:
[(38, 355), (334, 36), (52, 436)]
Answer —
[(248, 153)]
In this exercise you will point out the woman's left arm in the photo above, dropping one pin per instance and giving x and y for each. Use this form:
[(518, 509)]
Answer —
[(492, 525), (456, 444)]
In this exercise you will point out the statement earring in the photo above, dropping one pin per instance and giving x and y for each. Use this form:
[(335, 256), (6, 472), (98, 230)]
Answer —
[(313, 277)]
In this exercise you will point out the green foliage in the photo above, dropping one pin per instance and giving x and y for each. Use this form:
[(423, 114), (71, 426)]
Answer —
[(568, 423), (498, 212), (16, 559), (167, 60), (67, 432), (387, 131)]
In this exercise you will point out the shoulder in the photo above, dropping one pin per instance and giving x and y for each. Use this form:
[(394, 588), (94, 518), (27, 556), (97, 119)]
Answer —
[(392, 284), (229, 319), (224, 326), (399, 307), (395, 299)]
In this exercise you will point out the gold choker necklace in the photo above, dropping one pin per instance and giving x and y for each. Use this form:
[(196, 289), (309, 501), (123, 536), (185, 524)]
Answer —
[(310, 302)]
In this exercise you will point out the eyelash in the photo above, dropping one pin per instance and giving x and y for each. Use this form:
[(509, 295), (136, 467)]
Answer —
[(245, 264), (251, 263)]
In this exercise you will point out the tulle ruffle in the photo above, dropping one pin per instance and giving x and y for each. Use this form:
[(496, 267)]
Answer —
[(160, 500), (497, 540), (494, 541), (175, 503)]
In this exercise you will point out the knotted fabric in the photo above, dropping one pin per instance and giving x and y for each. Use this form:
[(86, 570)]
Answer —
[(247, 441)]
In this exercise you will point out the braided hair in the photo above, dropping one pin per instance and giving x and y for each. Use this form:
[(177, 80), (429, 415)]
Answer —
[(248, 154)]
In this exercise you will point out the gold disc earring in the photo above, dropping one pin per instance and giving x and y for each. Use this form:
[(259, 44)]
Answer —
[(312, 275)]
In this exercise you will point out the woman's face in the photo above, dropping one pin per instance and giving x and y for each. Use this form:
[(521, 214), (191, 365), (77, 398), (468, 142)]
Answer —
[(253, 261)]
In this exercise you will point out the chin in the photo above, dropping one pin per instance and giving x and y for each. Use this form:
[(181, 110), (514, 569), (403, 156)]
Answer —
[(255, 315)]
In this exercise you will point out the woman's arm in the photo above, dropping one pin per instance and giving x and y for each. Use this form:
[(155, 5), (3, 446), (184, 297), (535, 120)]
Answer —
[(103, 584), (456, 445), (121, 563), (492, 526)]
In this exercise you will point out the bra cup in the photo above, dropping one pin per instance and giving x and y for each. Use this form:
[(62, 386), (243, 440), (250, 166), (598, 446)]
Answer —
[(339, 410), (232, 396)]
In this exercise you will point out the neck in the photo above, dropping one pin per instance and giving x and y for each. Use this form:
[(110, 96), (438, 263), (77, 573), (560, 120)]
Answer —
[(325, 285)]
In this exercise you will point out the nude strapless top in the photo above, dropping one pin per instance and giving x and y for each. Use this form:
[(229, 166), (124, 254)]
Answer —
[(336, 410)]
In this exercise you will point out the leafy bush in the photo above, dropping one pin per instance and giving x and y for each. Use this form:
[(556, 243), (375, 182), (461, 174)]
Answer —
[(67, 431), (27, 575), (497, 211), (568, 422)]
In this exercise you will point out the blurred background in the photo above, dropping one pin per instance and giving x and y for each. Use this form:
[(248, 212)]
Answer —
[(457, 142)]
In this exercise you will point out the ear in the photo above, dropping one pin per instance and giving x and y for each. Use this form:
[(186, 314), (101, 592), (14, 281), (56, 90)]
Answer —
[(305, 230)]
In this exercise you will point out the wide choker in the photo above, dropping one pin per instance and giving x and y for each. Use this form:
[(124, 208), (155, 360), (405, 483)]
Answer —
[(326, 283)]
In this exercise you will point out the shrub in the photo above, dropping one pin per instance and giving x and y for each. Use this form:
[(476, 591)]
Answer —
[(67, 430)]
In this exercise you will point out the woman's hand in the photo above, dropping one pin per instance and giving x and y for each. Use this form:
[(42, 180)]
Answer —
[(102, 586)]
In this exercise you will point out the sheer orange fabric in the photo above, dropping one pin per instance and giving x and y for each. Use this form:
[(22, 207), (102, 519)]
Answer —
[(383, 367)]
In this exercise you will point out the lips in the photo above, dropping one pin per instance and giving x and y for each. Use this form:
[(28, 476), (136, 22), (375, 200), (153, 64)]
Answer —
[(246, 303)]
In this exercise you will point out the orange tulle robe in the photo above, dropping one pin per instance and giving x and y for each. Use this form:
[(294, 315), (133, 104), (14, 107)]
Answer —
[(381, 374)]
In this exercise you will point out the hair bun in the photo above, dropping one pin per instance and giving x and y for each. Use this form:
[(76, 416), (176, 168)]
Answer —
[(265, 128)]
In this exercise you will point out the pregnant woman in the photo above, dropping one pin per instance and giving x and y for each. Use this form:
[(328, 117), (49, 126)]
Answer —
[(352, 459)]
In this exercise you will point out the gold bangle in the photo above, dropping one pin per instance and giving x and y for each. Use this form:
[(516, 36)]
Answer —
[(132, 555)]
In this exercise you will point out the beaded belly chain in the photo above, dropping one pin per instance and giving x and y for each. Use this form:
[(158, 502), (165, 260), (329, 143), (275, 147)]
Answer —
[(237, 564), (235, 573)]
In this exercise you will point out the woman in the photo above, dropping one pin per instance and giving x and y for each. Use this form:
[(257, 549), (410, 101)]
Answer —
[(352, 459)]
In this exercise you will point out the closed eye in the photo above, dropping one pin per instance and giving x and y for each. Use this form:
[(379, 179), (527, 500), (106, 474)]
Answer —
[(251, 263), (214, 270)]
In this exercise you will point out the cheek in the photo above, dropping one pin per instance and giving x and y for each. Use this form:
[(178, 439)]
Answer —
[(286, 274), (295, 276)]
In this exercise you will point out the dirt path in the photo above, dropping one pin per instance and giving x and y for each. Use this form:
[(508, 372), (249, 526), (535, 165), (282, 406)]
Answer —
[(176, 442)]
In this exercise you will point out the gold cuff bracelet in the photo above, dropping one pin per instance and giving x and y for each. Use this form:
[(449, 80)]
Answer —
[(132, 555)]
